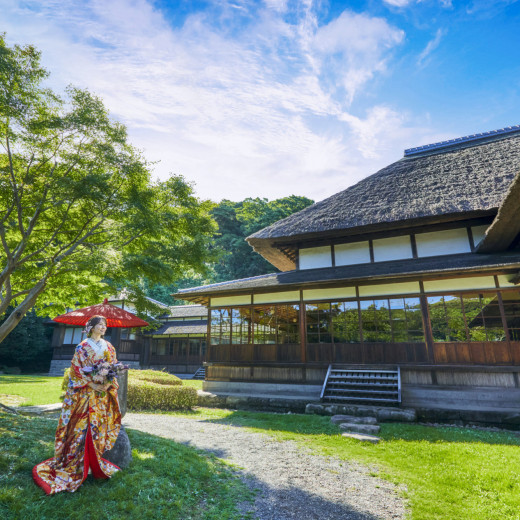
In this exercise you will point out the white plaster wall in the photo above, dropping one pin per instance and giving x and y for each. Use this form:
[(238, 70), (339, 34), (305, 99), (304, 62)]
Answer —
[(455, 284), (231, 300), (479, 232), (329, 294), (389, 289), (447, 242), (351, 254), (394, 248), (285, 296), (503, 280), (313, 257)]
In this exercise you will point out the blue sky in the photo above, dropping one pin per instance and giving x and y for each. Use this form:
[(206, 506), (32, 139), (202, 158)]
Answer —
[(277, 97)]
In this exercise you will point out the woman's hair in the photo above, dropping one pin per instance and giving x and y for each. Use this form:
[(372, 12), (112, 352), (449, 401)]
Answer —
[(92, 322)]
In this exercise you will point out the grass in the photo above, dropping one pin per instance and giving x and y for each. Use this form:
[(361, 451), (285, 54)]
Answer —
[(29, 390), (164, 480), (193, 383), (450, 473), (32, 390)]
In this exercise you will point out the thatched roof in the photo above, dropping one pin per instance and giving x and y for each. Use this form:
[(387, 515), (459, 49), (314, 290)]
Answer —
[(506, 226), (452, 182), (383, 271)]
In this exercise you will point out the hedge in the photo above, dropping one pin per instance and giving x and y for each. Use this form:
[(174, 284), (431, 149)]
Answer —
[(152, 390), (153, 396), (154, 376)]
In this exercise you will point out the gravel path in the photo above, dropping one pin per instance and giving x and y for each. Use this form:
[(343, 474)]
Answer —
[(293, 483)]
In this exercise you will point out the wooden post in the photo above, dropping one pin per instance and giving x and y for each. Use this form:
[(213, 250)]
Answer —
[(303, 330), (427, 326)]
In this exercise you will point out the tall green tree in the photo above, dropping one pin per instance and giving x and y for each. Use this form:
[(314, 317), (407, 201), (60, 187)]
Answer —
[(79, 213), (236, 221)]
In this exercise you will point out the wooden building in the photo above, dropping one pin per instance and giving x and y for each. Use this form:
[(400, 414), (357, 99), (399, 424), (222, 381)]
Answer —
[(415, 269), (177, 345)]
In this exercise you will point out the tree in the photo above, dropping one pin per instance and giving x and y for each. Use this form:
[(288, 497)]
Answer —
[(29, 345), (236, 221), (79, 213)]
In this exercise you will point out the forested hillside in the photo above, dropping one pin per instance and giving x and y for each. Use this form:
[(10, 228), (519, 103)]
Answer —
[(236, 258)]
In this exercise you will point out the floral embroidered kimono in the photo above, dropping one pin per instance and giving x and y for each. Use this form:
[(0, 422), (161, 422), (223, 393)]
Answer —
[(89, 425)]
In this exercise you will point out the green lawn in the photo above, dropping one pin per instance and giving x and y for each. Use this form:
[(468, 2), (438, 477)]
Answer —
[(194, 383), (34, 389), (165, 480), (450, 473)]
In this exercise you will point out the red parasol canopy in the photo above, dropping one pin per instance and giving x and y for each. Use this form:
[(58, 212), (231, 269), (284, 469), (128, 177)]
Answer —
[(115, 316)]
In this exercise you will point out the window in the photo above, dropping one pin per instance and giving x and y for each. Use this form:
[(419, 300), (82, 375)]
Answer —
[(375, 321), (73, 335), (194, 347), (512, 313), (261, 324), (466, 317), (220, 326), (397, 320), (128, 334), (319, 323)]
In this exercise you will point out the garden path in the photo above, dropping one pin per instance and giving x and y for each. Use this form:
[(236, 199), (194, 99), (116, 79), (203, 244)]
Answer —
[(292, 482)]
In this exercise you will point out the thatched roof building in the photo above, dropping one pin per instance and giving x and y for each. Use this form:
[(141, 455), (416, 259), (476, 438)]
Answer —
[(413, 271), (459, 180)]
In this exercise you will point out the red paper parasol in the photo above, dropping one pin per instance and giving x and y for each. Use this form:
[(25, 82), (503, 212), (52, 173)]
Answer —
[(115, 316)]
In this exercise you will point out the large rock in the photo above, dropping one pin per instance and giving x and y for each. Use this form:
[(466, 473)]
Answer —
[(121, 453), (122, 392)]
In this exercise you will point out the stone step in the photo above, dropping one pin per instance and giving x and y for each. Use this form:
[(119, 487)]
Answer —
[(382, 413), (361, 437), (338, 419), (370, 429)]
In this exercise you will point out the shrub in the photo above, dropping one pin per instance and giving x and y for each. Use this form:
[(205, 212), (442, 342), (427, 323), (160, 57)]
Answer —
[(153, 376), (143, 395)]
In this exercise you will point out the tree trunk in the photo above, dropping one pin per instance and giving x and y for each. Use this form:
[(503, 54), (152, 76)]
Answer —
[(21, 310)]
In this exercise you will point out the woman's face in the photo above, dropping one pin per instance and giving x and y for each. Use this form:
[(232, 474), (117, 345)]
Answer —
[(100, 328)]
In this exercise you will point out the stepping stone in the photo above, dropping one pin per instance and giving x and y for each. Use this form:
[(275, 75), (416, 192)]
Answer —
[(39, 409), (338, 419), (396, 415), (362, 437), (370, 429)]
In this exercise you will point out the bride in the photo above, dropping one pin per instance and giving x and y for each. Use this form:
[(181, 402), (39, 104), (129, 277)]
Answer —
[(90, 419)]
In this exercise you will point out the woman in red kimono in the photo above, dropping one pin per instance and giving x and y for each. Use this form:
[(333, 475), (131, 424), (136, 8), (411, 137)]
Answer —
[(90, 420)]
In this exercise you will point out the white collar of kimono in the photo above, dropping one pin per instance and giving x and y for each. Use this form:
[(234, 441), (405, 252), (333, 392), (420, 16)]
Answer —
[(99, 347)]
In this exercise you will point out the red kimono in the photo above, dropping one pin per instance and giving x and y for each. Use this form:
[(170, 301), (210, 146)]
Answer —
[(88, 426)]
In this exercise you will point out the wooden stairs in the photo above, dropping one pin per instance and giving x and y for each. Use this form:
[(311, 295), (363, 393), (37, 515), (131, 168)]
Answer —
[(348, 384), (200, 374)]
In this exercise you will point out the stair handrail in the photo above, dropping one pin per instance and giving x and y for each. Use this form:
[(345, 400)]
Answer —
[(398, 384), (325, 382)]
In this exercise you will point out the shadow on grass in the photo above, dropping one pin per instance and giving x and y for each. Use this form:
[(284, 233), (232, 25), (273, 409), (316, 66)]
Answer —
[(301, 424), (164, 480), (23, 379)]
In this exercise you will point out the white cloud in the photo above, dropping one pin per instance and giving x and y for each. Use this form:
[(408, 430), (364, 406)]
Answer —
[(398, 3), (430, 47), (356, 44), (256, 108)]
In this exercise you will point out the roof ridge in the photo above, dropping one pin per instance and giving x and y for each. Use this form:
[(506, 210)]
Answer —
[(461, 140)]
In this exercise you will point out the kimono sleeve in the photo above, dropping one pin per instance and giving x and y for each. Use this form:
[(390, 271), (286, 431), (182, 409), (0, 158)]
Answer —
[(77, 378)]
